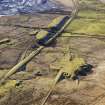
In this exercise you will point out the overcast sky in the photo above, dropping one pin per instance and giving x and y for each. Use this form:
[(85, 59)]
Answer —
[(11, 7)]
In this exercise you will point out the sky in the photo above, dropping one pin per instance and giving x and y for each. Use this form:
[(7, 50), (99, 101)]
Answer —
[(12, 7)]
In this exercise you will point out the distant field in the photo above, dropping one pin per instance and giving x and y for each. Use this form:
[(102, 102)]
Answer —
[(90, 19)]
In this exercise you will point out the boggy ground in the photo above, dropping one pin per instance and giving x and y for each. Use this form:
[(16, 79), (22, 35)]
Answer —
[(84, 36)]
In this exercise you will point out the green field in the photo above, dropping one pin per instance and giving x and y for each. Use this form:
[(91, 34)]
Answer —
[(89, 21)]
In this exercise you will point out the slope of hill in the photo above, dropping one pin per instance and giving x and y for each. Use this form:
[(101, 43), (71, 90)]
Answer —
[(85, 36)]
